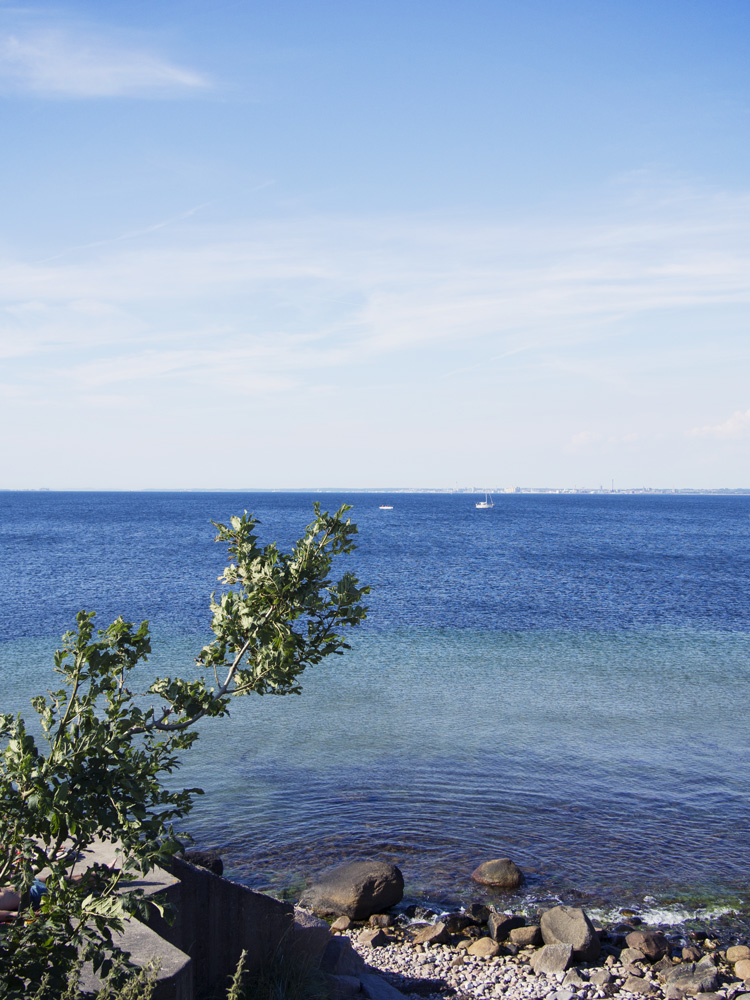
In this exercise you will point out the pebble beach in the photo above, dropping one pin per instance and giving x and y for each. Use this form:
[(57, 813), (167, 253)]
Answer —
[(436, 972)]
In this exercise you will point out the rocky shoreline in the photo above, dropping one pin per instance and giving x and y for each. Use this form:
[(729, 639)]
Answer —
[(482, 952), (465, 967)]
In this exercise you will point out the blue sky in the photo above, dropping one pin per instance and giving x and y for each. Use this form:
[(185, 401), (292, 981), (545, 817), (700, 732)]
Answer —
[(418, 244)]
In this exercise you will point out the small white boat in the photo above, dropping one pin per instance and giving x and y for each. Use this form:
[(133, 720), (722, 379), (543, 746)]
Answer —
[(385, 506), (487, 502)]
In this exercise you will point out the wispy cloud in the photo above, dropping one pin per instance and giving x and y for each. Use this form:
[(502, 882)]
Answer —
[(289, 299), (735, 428), (62, 63)]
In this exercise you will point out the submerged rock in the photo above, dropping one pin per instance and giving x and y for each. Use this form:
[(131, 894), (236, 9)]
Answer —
[(500, 873)]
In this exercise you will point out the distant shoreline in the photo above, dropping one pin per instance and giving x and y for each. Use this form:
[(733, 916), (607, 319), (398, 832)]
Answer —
[(398, 490)]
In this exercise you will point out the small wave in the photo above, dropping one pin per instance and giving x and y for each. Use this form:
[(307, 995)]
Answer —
[(653, 914)]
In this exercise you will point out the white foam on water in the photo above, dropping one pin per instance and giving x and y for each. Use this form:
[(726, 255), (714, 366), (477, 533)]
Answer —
[(653, 914)]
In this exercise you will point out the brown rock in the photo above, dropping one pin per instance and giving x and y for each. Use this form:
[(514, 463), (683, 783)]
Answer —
[(692, 953), (342, 924), (571, 925), (629, 955), (501, 873), (692, 978), (737, 953), (484, 947), (374, 937), (552, 958), (432, 934), (380, 920), (500, 925), (478, 912), (642, 986), (525, 936), (355, 890), (457, 922), (742, 968), (652, 944)]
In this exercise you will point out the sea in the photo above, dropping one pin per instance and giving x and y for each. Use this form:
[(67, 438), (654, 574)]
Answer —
[(562, 680)]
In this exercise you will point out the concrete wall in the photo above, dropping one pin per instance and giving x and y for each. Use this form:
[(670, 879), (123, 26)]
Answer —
[(216, 919)]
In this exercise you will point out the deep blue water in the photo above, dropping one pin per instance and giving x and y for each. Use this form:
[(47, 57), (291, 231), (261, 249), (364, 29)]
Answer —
[(560, 679)]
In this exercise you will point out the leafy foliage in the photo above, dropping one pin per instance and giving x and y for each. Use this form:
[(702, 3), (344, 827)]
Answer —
[(106, 749)]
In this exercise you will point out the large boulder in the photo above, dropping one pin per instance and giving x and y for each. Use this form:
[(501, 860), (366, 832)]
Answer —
[(500, 873), (355, 890), (571, 925), (694, 977)]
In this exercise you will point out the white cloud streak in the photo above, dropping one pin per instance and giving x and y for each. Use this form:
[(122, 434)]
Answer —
[(735, 428), (281, 301), (63, 64)]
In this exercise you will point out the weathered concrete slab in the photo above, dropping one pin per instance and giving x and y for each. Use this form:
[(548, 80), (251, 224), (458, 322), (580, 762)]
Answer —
[(174, 979)]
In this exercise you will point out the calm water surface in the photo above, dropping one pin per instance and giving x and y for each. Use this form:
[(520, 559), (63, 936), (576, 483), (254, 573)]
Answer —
[(560, 679)]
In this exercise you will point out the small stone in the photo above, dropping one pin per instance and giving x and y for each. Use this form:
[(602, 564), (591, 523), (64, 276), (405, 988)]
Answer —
[(663, 967), (432, 934), (629, 955), (380, 920), (652, 944), (632, 970), (692, 953), (478, 912), (742, 968), (634, 985), (552, 958), (738, 953), (600, 978), (342, 924), (484, 948), (672, 992), (457, 922), (500, 925), (525, 936), (374, 937), (573, 978)]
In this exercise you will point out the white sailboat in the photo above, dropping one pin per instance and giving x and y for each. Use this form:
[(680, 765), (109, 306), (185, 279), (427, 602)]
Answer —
[(487, 502)]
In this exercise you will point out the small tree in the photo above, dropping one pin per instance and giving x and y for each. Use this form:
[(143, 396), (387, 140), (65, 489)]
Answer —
[(106, 749)]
